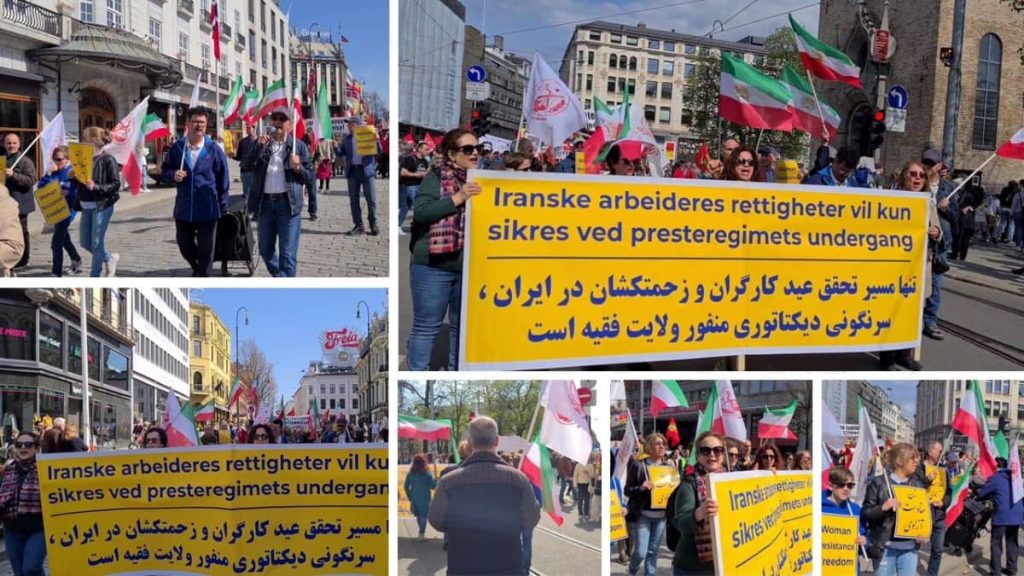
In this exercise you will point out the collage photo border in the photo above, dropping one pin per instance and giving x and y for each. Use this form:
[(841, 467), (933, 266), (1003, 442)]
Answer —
[(601, 402)]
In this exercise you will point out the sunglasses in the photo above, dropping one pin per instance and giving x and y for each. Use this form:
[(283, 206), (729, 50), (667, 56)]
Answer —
[(709, 450), (745, 162), (915, 174), (734, 454), (155, 440), (469, 149), (20, 445), (847, 485)]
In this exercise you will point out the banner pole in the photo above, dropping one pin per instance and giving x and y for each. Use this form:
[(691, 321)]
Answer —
[(821, 114)]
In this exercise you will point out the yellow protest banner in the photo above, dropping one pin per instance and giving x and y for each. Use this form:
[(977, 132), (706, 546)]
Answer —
[(764, 523), (618, 519), (938, 477), (581, 163), (81, 160), (914, 514), (366, 140), (839, 545), (665, 480), (218, 510), (787, 172), (3, 170), (569, 270), (52, 204)]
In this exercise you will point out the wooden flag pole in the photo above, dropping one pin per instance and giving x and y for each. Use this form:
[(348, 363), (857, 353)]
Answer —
[(821, 114)]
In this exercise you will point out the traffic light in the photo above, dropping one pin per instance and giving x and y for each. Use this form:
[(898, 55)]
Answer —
[(481, 118), (878, 129)]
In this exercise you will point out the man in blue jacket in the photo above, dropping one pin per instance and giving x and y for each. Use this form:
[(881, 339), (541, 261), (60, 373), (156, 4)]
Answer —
[(203, 181), (1006, 520), (362, 173), (282, 170)]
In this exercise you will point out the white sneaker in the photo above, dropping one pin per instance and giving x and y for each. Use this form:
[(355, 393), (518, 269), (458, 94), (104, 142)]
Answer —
[(75, 269), (111, 265), (402, 232)]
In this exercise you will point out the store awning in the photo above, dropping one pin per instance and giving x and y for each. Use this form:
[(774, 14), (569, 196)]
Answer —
[(112, 47)]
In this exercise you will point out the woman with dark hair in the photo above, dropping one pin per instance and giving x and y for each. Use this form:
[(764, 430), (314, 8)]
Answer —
[(518, 161), (768, 458), (419, 482), (803, 460), (97, 194), (438, 232), (742, 166), (649, 522), (22, 508), (618, 164), (155, 437), (262, 434), (694, 509), (52, 441)]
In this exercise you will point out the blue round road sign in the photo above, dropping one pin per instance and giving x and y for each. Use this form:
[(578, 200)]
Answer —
[(898, 97), (476, 73)]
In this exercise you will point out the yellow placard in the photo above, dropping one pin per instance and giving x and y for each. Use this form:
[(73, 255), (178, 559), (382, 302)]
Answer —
[(3, 170), (937, 489), (218, 510), (229, 142), (581, 163), (618, 519), (839, 545), (366, 140), (665, 480), (914, 514), (787, 172), (764, 523), (404, 506), (569, 270), (81, 160), (52, 203)]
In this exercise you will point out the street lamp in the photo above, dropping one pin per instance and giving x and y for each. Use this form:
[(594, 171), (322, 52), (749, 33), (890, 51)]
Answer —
[(367, 316), (237, 357)]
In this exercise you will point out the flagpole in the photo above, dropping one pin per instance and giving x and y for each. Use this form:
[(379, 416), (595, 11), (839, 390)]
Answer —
[(821, 114), (533, 423), (29, 147), (968, 178), (758, 146)]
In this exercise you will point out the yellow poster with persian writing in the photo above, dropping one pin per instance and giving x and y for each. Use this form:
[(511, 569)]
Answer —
[(218, 510), (569, 270), (52, 204), (764, 523), (839, 545), (618, 519), (665, 480), (81, 160), (914, 514), (938, 476), (581, 163), (366, 140)]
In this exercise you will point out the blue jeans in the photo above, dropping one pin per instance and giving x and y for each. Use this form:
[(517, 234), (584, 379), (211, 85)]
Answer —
[(583, 500), (933, 302), (527, 550), (246, 182), (566, 483), (938, 542), (893, 562), (92, 236), (435, 292), (358, 179), (60, 242), (406, 195), (1005, 227), (649, 532), (279, 226), (312, 199), (1018, 229), (26, 552), (421, 522)]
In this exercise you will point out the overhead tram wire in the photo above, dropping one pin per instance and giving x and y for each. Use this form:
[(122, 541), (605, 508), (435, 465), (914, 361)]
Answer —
[(730, 18), (606, 16)]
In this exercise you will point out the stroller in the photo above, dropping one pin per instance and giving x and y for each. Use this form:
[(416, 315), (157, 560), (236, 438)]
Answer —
[(969, 526)]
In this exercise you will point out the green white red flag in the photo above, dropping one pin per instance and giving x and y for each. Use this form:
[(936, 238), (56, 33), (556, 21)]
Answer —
[(153, 128), (807, 115), (250, 104), (971, 421), (322, 128), (749, 98), (667, 394), (418, 428), (179, 423), (233, 104), (959, 494), (824, 61), (537, 467), (775, 423), (205, 412), (276, 98), (1014, 148)]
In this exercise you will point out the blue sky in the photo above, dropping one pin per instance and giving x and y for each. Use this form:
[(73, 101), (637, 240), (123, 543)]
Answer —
[(363, 22), (514, 20), (902, 392), (286, 324)]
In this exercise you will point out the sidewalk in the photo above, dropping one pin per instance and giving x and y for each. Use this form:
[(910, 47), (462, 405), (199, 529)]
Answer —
[(990, 265)]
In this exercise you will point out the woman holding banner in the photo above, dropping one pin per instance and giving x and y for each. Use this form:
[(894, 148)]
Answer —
[(891, 555), (694, 509), (649, 522), (96, 199), (438, 231), (419, 482), (21, 506)]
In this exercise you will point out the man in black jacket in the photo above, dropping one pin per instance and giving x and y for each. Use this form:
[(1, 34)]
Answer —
[(20, 181), (935, 479), (245, 153)]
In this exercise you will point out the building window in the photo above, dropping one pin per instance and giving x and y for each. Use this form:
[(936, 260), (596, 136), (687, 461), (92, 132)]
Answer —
[(183, 46), (613, 61), (616, 38), (668, 68), (670, 46), (206, 56), (686, 117), (666, 90), (586, 104), (197, 348), (273, 27), (85, 9), (654, 44), (590, 57), (632, 63), (665, 115), (333, 403), (263, 49), (252, 48), (590, 81), (649, 113), (690, 49), (579, 57), (632, 41), (273, 59), (154, 31), (595, 35), (651, 89), (195, 324), (688, 70), (759, 60), (115, 13), (197, 381), (611, 84), (705, 51), (986, 99)]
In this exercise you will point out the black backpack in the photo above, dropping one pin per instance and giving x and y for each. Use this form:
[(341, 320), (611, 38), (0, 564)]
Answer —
[(671, 533)]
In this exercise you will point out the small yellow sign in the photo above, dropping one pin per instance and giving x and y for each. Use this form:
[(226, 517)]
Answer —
[(52, 203), (914, 514), (937, 490), (3, 170), (665, 480), (618, 522), (366, 140), (839, 545), (787, 172), (81, 160), (581, 163)]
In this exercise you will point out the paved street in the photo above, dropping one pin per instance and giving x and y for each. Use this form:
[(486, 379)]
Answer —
[(142, 232), (572, 548), (982, 310)]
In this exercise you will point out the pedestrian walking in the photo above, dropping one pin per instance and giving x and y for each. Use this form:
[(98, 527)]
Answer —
[(203, 183), (21, 179), (362, 177), (1006, 519), (419, 483), (412, 170), (582, 477), (61, 241), (245, 153), (283, 169), (21, 506), (96, 198)]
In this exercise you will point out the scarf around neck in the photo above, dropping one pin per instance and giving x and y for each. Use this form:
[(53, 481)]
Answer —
[(446, 236), (19, 490)]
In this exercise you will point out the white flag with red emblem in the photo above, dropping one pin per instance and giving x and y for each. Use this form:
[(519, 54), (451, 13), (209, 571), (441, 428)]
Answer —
[(1014, 148), (565, 428), (553, 112), (124, 142), (728, 420)]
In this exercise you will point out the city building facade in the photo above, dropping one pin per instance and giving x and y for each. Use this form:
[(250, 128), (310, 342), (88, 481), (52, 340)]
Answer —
[(990, 110), (938, 401), (507, 77), (41, 361), (324, 55), (209, 359), (160, 358), (430, 68), (604, 59), (333, 387), (373, 373)]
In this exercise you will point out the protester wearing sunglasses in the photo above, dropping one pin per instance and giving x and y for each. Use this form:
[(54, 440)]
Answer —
[(21, 506), (694, 509), (836, 498), (768, 458), (155, 437), (438, 232), (889, 554), (61, 172), (742, 166), (648, 523)]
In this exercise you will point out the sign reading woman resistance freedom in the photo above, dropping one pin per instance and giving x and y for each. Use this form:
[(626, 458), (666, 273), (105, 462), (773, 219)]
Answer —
[(570, 270), (245, 509), (764, 523)]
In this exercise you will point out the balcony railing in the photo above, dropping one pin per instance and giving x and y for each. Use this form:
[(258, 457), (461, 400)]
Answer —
[(223, 83), (35, 17), (239, 42), (204, 21), (186, 7), (225, 32)]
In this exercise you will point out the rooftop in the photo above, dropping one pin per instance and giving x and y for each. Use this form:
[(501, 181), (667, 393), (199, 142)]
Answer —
[(754, 44)]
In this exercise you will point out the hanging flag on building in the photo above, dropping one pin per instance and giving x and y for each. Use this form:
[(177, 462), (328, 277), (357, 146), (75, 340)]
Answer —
[(215, 24), (824, 61)]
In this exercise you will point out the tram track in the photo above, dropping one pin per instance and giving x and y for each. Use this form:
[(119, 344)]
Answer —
[(1009, 352)]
